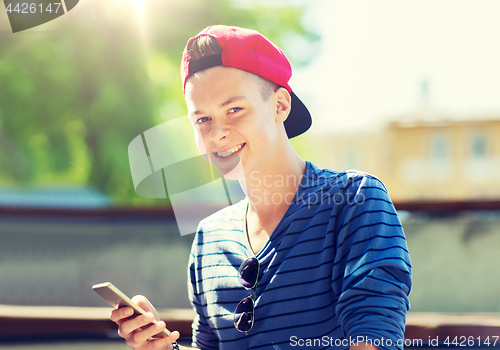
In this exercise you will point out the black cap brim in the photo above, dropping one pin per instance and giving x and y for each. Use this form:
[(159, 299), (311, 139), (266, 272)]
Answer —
[(299, 120)]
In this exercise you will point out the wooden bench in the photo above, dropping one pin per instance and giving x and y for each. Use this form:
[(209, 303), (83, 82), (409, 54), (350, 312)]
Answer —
[(43, 321)]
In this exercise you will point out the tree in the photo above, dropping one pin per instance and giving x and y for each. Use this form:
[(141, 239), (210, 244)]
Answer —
[(71, 102)]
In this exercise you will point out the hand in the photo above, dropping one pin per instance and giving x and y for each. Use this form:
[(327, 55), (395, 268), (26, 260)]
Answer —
[(136, 337)]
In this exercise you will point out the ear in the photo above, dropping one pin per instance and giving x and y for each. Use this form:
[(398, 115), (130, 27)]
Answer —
[(283, 104)]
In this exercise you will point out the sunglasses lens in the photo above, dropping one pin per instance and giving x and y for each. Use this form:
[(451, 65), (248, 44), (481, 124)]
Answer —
[(243, 315), (248, 273)]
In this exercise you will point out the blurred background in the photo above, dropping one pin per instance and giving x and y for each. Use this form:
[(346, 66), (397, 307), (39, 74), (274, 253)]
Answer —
[(407, 91)]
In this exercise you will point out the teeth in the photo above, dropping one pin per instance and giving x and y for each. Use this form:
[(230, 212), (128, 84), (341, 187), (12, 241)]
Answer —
[(229, 151)]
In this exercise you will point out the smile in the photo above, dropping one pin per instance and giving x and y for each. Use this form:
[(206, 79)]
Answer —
[(224, 154)]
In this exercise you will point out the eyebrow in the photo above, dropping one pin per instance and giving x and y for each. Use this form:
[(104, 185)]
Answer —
[(223, 104), (231, 100)]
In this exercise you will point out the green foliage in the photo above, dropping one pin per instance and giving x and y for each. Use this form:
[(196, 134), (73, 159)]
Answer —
[(71, 102)]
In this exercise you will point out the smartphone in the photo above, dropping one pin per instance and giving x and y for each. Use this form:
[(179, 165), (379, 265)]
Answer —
[(117, 298)]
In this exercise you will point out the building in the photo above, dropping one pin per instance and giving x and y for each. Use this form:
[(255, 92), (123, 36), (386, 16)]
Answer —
[(421, 156)]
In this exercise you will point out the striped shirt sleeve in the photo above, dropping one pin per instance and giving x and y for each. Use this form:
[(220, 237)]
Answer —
[(372, 271), (202, 334)]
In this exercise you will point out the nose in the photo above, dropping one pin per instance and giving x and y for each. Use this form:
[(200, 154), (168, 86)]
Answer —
[(218, 131)]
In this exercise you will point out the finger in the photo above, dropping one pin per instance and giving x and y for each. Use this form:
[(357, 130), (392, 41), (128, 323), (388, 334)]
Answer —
[(157, 344), (130, 326), (175, 335), (146, 334), (145, 304), (119, 314), (162, 343), (141, 300)]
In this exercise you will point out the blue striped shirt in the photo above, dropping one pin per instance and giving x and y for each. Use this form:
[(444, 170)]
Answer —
[(336, 269)]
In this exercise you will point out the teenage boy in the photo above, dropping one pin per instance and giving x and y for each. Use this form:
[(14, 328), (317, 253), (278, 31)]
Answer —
[(311, 257)]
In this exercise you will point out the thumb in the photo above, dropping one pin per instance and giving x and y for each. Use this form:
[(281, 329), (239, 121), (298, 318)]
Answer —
[(144, 304)]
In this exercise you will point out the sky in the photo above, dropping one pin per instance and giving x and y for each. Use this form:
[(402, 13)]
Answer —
[(374, 56)]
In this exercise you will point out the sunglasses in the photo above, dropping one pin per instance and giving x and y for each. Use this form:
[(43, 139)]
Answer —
[(248, 274)]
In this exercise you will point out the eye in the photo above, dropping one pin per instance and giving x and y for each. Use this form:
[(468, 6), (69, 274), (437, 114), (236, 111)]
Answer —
[(202, 120), (235, 109)]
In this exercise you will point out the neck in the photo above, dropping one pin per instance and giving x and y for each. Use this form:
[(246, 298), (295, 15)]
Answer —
[(272, 187)]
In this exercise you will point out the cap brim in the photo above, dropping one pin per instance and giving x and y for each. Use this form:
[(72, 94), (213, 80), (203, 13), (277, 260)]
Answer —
[(299, 120)]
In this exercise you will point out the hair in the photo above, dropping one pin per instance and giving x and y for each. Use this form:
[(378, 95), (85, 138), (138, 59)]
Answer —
[(206, 45)]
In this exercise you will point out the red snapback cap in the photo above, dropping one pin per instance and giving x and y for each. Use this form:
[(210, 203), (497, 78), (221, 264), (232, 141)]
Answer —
[(249, 50)]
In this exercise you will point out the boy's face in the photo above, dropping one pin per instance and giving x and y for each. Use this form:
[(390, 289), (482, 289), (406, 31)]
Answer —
[(232, 119)]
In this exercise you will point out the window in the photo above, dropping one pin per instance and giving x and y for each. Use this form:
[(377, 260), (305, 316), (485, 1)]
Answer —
[(440, 147), (478, 146)]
